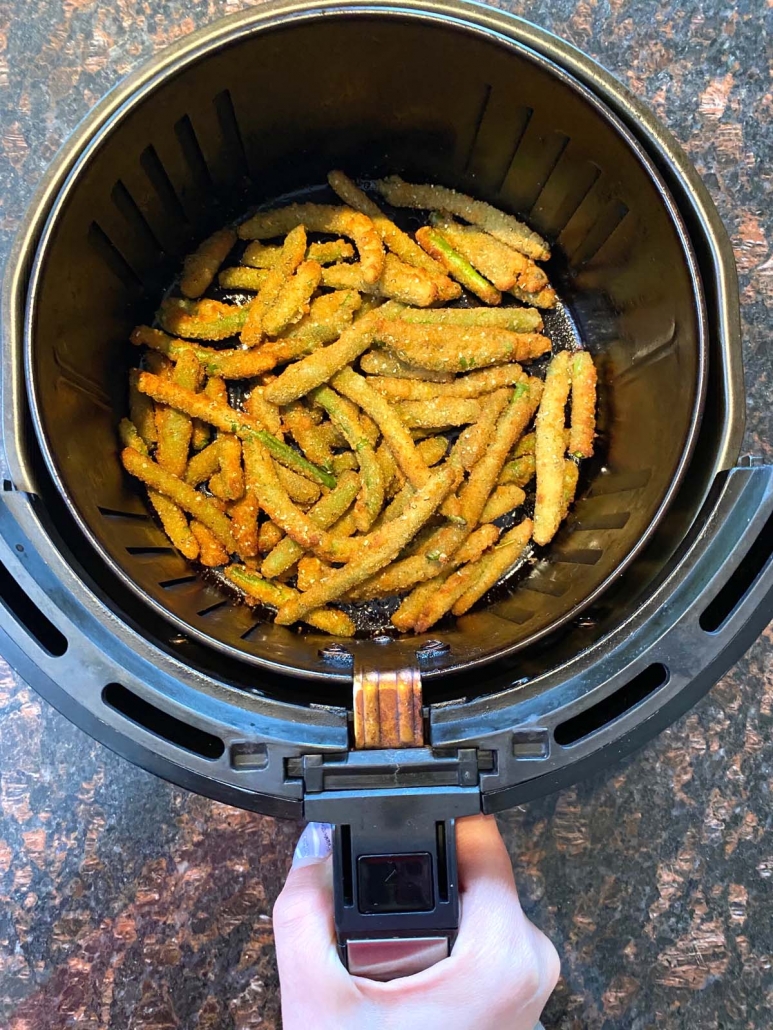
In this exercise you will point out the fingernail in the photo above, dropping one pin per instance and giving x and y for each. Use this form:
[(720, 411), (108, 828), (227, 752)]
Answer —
[(314, 844)]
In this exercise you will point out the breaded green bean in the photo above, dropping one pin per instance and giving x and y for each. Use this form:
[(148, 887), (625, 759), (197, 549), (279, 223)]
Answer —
[(229, 420), (435, 414), (457, 265), (511, 424), (328, 317), (344, 462), (345, 415), (495, 564), (396, 240), (310, 570), (583, 424), (241, 278), (425, 606), (330, 252), (129, 437), (266, 413), (291, 256), (502, 265), (321, 218), (200, 267), (298, 421), (472, 441), (457, 348), (402, 575), (501, 501), (518, 320), (571, 476), (293, 300), (550, 448), (244, 524), (473, 385), (274, 500), (222, 457), (276, 594), (433, 449), (175, 524), (438, 198), (519, 471), (325, 513), (185, 496), (300, 490), (141, 410), (377, 549), (175, 427), (398, 281), (317, 368), (258, 255), (382, 363), (211, 551), (356, 388), (544, 298), (201, 319), (269, 535)]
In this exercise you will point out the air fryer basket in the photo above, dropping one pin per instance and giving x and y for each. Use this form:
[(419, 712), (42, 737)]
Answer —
[(270, 113)]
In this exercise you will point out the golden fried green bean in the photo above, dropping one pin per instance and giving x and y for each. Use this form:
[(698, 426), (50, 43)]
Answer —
[(185, 496), (293, 300), (495, 564), (201, 319), (276, 594), (457, 348), (291, 256), (325, 513), (583, 424), (200, 267), (346, 417), (518, 320), (321, 218), (472, 385), (437, 198), (377, 549), (438, 413), (229, 420), (457, 265), (550, 447)]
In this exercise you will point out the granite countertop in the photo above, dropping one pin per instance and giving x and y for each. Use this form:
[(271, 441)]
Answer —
[(128, 903)]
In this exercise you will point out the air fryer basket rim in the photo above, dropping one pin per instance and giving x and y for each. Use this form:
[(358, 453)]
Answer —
[(193, 53)]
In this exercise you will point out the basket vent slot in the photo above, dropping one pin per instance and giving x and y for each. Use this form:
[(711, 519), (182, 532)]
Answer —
[(25, 611), (127, 206), (612, 707), (718, 611), (191, 149), (113, 257), (162, 724), (229, 126), (151, 165)]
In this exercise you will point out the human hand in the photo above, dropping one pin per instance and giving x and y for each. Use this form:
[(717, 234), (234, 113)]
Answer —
[(499, 976)]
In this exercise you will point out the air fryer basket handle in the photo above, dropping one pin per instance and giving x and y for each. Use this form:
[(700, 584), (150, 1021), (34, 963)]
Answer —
[(395, 874)]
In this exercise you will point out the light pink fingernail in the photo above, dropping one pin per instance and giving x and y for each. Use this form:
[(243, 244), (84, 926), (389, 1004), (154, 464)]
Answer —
[(314, 844)]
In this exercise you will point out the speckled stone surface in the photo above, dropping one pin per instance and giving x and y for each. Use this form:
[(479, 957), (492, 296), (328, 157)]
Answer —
[(128, 904)]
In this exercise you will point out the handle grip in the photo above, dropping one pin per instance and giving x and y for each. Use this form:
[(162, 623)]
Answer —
[(396, 897), (396, 888)]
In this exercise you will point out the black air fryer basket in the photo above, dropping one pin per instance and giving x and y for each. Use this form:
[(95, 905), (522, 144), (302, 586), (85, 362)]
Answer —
[(657, 583)]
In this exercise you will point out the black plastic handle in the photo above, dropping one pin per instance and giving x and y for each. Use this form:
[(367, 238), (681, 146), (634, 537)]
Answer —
[(395, 874)]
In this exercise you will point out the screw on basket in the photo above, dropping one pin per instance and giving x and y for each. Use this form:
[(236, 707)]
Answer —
[(336, 654), (432, 649)]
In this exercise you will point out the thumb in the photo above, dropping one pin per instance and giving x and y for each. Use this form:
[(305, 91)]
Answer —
[(304, 929)]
